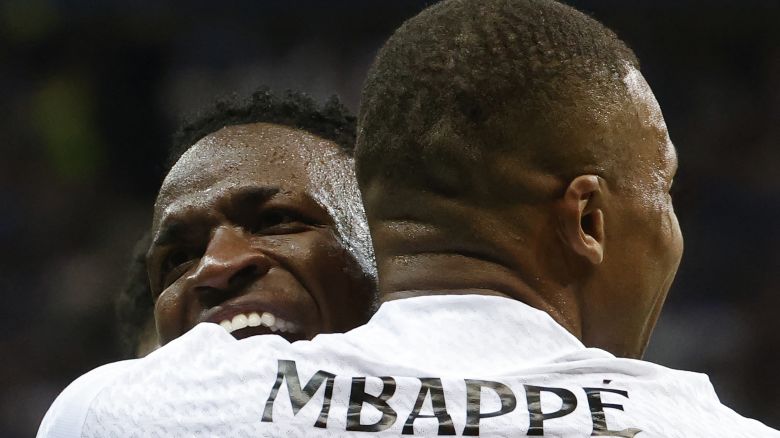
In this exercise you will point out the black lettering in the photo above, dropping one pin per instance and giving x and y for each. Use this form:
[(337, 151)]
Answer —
[(300, 397), (473, 400), (434, 387), (533, 395), (597, 413), (358, 396)]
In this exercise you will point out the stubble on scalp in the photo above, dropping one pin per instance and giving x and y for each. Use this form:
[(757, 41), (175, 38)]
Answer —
[(528, 78)]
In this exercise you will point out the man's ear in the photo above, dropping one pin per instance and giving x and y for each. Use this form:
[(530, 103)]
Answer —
[(581, 218)]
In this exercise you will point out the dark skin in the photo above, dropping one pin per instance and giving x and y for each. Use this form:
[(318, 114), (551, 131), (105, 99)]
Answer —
[(147, 340), (238, 230), (592, 241)]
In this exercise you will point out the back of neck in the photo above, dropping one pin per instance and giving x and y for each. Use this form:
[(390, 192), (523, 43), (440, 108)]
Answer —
[(451, 274)]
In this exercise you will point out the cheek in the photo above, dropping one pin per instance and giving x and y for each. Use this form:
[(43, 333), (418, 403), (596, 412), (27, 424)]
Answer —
[(169, 314), (308, 252), (330, 273), (315, 257), (676, 243), (652, 244), (662, 248), (298, 252)]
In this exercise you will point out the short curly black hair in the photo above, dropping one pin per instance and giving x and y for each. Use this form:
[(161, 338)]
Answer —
[(331, 121)]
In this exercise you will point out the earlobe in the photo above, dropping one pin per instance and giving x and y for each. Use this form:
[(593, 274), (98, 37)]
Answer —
[(582, 218)]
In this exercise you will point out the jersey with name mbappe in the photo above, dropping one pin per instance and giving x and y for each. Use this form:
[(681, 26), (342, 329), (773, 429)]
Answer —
[(429, 366)]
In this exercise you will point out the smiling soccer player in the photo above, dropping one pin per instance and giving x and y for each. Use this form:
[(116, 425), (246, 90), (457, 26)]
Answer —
[(250, 230), (259, 227)]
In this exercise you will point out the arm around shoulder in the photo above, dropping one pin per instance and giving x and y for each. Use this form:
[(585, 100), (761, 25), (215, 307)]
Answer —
[(65, 417)]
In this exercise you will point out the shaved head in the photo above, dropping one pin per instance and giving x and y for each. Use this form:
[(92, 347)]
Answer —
[(492, 76), (513, 147)]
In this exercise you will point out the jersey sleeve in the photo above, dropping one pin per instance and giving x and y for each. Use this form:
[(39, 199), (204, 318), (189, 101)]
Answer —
[(65, 417)]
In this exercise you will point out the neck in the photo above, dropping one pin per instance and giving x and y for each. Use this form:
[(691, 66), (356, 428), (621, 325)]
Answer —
[(458, 274), (401, 294)]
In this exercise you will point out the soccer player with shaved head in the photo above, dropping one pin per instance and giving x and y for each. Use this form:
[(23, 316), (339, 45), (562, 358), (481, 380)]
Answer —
[(515, 171), (523, 146)]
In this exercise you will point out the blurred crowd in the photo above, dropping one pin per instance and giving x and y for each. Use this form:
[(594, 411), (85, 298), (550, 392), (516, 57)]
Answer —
[(91, 93)]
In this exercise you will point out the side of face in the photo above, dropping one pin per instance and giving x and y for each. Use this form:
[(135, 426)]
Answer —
[(633, 224), (240, 238)]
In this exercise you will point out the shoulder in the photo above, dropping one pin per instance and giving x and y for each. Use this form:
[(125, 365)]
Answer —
[(67, 414), (681, 403), (658, 400), (73, 409)]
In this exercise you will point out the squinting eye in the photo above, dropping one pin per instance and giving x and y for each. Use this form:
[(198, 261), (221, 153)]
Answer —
[(279, 222), (176, 264), (176, 258)]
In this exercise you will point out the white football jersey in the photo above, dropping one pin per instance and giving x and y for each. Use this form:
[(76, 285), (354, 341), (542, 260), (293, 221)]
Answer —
[(462, 365)]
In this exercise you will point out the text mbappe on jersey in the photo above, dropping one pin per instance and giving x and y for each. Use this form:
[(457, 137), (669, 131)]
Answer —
[(432, 405)]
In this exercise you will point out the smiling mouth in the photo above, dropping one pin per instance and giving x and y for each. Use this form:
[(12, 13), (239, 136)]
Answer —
[(244, 325)]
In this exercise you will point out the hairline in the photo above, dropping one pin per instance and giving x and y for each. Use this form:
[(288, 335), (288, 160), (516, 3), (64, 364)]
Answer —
[(339, 196)]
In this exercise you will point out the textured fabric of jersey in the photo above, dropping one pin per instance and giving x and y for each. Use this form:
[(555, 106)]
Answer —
[(429, 366)]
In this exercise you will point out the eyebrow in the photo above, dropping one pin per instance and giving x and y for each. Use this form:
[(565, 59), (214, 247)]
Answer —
[(253, 193), (176, 229), (169, 233)]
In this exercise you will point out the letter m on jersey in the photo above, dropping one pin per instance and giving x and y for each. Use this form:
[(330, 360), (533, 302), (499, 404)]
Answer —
[(299, 397)]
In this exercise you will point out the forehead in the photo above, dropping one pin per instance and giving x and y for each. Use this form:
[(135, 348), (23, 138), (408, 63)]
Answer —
[(258, 154)]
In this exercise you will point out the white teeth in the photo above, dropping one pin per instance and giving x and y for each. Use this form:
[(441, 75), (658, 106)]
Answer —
[(239, 321), (226, 325), (268, 320), (255, 320)]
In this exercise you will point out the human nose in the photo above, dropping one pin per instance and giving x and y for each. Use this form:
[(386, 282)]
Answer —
[(229, 263)]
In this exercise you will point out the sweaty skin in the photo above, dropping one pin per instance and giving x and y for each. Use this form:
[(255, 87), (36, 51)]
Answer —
[(635, 279), (246, 226), (590, 237)]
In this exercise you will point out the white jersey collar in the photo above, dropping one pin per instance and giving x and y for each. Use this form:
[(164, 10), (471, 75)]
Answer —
[(520, 336)]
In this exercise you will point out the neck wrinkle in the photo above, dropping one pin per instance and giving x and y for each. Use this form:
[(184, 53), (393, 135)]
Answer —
[(401, 294), (432, 273)]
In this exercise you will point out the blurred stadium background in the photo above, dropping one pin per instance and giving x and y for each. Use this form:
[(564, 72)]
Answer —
[(92, 90)]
